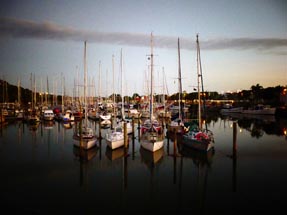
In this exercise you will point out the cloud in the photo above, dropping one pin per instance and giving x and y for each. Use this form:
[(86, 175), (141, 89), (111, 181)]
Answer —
[(18, 28)]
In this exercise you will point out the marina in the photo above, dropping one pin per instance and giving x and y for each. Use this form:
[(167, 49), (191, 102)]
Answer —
[(143, 107), (42, 172)]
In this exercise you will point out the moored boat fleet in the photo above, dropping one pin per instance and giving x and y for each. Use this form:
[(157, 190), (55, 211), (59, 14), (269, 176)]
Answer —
[(258, 109), (119, 121)]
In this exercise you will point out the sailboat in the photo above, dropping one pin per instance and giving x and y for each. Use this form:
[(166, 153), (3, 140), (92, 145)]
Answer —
[(115, 138), (152, 138), (199, 138), (177, 125), (84, 134)]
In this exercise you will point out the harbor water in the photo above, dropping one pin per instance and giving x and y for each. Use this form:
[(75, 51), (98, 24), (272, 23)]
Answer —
[(43, 173)]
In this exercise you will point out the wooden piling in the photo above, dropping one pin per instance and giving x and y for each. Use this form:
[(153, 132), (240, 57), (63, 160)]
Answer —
[(100, 148), (139, 124), (234, 138), (133, 148), (174, 142), (100, 134), (167, 145), (133, 127), (1, 122), (234, 157), (112, 122), (125, 135), (139, 135)]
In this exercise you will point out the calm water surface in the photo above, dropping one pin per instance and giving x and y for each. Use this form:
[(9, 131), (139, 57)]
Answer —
[(42, 172)]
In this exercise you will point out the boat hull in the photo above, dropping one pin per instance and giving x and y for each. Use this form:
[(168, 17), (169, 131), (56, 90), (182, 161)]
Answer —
[(151, 158), (270, 111), (152, 141), (85, 143), (204, 145), (232, 110), (115, 140)]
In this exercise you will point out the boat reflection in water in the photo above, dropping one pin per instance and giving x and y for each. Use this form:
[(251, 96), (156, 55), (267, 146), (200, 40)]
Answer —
[(48, 124), (114, 154), (202, 161), (258, 125), (200, 158), (85, 155), (68, 125), (33, 127), (173, 180), (151, 158)]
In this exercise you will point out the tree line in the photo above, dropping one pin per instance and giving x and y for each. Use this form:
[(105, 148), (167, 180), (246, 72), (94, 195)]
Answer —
[(256, 94)]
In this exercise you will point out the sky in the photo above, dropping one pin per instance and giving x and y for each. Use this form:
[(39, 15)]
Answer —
[(242, 43)]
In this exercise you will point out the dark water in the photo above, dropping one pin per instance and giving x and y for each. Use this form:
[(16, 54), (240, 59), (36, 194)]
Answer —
[(42, 172)]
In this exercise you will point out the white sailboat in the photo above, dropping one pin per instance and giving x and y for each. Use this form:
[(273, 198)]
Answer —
[(199, 138), (115, 138), (84, 134), (152, 138)]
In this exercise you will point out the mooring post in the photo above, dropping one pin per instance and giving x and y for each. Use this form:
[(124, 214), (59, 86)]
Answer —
[(167, 145), (2, 123), (175, 141), (139, 124), (100, 134), (112, 122), (133, 127), (234, 138), (125, 135), (234, 157)]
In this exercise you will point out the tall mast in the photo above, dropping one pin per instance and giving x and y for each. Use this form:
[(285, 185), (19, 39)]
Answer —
[(114, 106), (122, 82), (151, 78), (31, 79), (163, 88), (200, 79), (198, 85), (100, 81), (78, 87), (19, 92), (35, 94), (41, 92), (47, 93), (179, 81), (85, 83), (62, 82)]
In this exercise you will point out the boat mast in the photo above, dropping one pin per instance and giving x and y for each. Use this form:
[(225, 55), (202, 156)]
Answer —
[(122, 93), (62, 82), (179, 82), (114, 100), (201, 79), (198, 83), (100, 99), (151, 78), (47, 93), (163, 89), (35, 92), (85, 83), (19, 92), (32, 92)]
